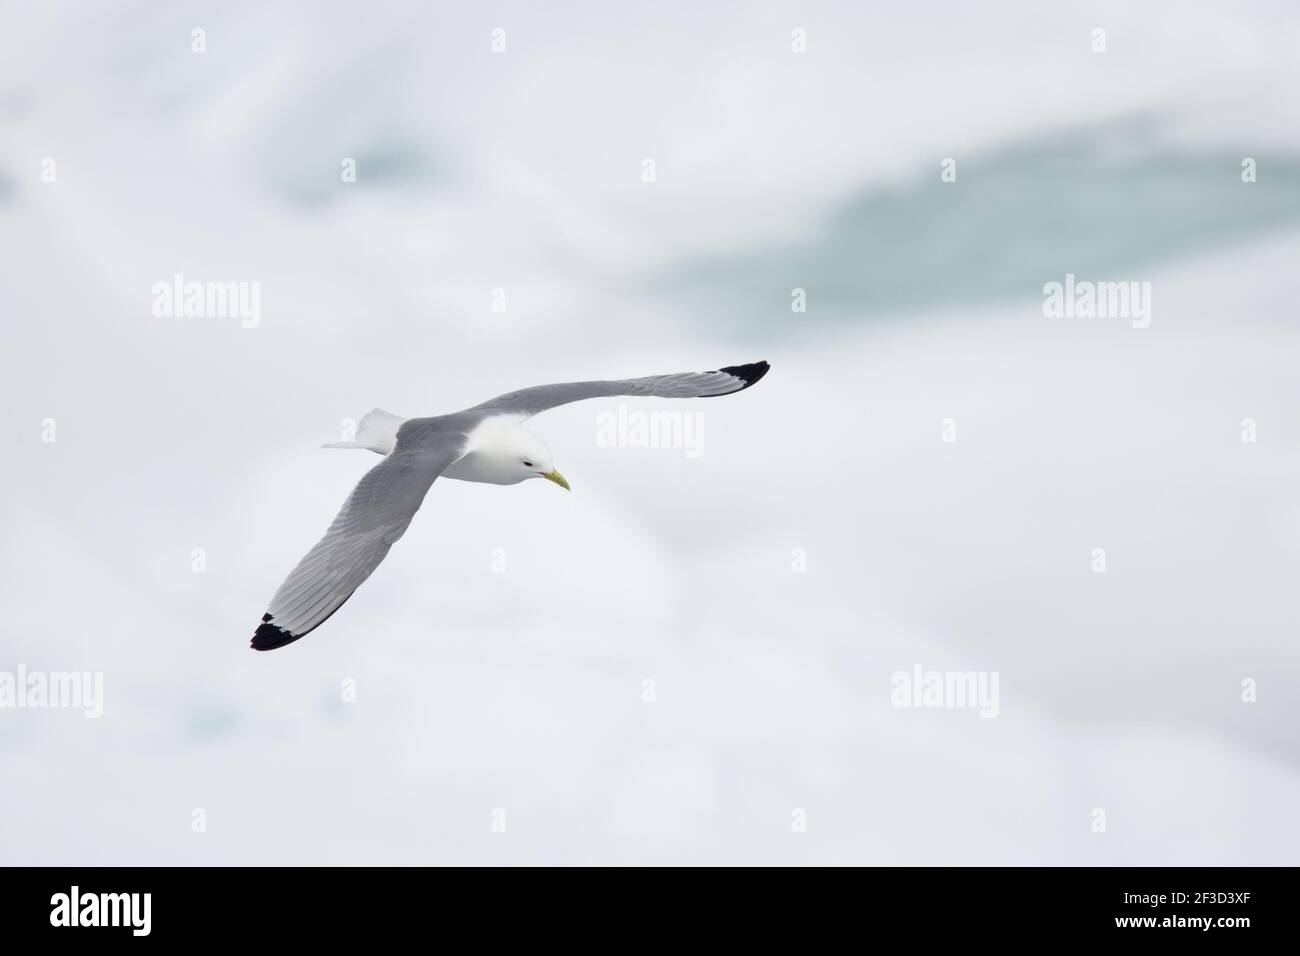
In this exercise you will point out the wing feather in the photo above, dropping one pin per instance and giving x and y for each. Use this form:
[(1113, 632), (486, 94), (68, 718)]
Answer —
[(375, 515), (723, 381)]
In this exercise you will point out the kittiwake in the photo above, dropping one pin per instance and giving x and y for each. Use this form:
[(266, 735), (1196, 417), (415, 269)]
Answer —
[(486, 443)]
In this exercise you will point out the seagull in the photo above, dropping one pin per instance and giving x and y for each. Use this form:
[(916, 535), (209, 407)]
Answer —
[(486, 443)]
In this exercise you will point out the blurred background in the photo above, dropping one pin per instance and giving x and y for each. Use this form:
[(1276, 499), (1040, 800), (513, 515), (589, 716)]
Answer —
[(688, 659)]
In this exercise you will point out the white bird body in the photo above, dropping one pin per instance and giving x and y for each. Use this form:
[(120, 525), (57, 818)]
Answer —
[(493, 448), (500, 451)]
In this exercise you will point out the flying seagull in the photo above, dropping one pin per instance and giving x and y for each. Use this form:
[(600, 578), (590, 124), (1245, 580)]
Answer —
[(486, 443)]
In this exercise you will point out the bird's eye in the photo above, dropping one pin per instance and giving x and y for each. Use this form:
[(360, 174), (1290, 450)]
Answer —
[(527, 463)]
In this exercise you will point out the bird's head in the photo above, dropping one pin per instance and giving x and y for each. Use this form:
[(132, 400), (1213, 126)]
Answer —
[(521, 455)]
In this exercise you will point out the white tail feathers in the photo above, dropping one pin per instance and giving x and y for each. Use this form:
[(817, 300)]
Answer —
[(377, 432)]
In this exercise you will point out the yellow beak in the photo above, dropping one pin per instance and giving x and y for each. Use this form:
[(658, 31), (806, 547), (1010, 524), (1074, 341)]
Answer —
[(558, 478)]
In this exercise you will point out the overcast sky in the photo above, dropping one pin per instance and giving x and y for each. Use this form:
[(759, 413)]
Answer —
[(697, 655)]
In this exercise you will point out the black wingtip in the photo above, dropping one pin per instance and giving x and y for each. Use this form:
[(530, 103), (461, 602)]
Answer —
[(269, 636), (749, 374)]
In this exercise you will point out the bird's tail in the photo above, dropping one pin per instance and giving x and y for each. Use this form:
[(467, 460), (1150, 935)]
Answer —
[(377, 431)]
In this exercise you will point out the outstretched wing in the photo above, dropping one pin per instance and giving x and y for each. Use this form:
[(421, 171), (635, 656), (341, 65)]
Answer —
[(530, 401), (375, 515)]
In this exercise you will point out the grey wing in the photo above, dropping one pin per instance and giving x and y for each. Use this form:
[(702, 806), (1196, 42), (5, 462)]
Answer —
[(724, 381), (375, 515)]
